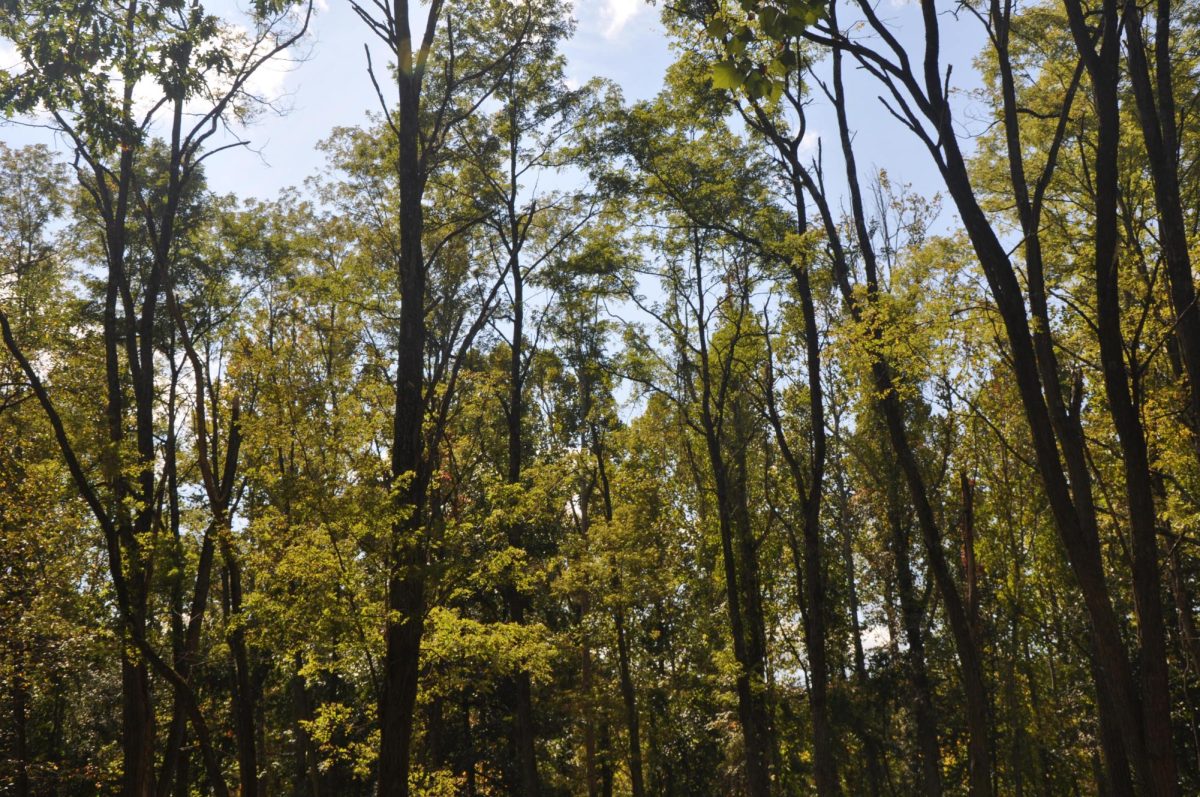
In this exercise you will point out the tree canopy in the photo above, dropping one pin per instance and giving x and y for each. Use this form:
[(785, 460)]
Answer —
[(553, 443)]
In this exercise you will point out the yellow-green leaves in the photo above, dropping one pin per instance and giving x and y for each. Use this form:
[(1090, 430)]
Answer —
[(467, 651), (758, 40), (726, 75)]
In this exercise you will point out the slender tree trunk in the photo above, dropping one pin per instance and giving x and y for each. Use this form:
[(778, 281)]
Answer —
[(970, 567), (892, 411), (589, 724), (867, 732), (1189, 637), (738, 554), (748, 645), (808, 478), (606, 768), (912, 616), (307, 771), (1155, 98), (469, 746), (1104, 68), (173, 753), (520, 687), (816, 619), (971, 667), (243, 692), (19, 697), (138, 729), (1069, 499), (406, 582), (624, 668), (629, 699)]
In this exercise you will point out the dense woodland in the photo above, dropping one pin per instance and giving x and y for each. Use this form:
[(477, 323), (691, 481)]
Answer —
[(552, 443)]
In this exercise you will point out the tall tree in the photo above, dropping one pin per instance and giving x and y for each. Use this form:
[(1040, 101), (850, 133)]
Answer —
[(67, 69)]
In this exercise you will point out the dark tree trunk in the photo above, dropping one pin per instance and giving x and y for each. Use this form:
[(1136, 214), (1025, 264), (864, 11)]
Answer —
[(589, 723), (406, 582), (912, 617), (244, 691), (173, 753), (606, 768), (468, 747), (808, 478), (810, 491), (1123, 400), (866, 730), (624, 668), (629, 699), (19, 697), (892, 411), (742, 597), (401, 669), (1076, 527), (138, 729), (1050, 424), (519, 687), (306, 778), (1154, 92)]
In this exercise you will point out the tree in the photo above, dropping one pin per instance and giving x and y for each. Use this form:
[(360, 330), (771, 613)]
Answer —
[(67, 70)]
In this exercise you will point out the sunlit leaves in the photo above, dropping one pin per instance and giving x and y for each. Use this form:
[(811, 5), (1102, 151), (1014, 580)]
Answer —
[(758, 39), (102, 67)]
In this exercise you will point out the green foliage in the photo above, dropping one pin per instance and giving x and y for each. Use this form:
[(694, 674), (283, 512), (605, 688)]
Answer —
[(600, 488), (758, 43)]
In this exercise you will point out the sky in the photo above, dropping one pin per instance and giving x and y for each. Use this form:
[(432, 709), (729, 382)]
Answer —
[(324, 84), (618, 39)]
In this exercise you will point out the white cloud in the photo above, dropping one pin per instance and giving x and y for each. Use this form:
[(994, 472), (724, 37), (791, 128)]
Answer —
[(267, 84), (618, 13), (269, 80)]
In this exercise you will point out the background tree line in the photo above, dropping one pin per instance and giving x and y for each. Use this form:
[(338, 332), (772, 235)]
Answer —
[(550, 443)]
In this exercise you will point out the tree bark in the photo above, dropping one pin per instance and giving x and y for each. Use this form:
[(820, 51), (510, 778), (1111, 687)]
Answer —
[(520, 688), (629, 700), (406, 582), (892, 411), (243, 697), (741, 587), (912, 616), (1050, 426)]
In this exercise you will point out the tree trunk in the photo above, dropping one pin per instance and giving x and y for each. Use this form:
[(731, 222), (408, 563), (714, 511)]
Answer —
[(19, 696), (1157, 117), (138, 729), (866, 731), (406, 599), (748, 644), (1073, 512), (589, 723), (243, 692), (406, 561), (307, 771), (629, 699), (892, 411), (912, 616), (1104, 68), (520, 687)]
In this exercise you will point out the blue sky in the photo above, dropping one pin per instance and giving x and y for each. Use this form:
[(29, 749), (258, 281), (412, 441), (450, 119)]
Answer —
[(325, 84), (618, 39), (622, 40)]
